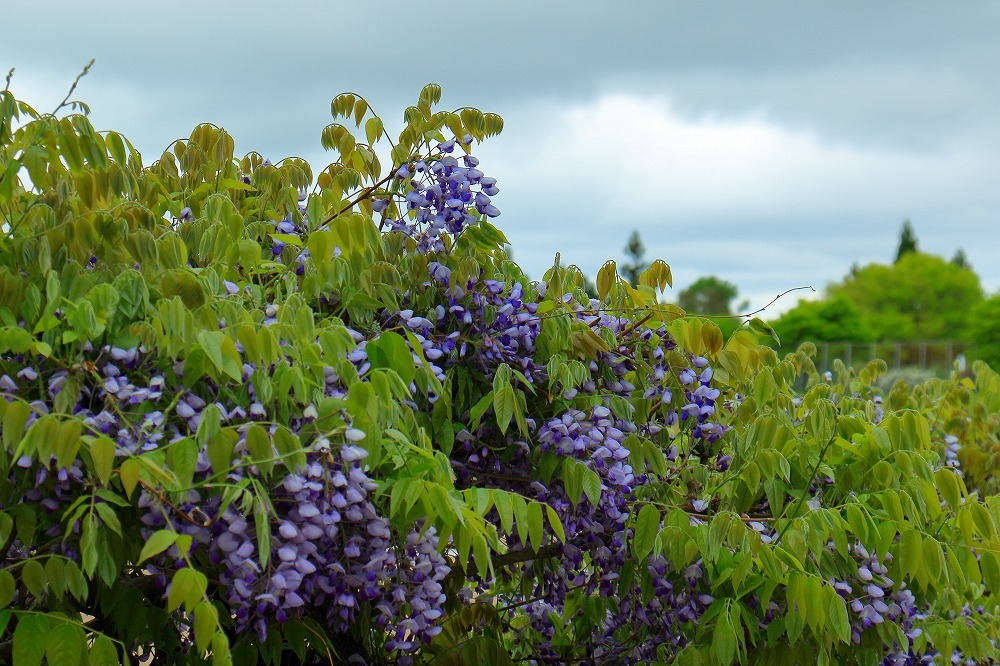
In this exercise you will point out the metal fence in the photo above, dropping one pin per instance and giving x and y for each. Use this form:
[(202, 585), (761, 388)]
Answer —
[(938, 356)]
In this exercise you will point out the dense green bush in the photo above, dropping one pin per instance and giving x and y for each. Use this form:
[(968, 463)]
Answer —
[(919, 297), (251, 415), (984, 333), (832, 320)]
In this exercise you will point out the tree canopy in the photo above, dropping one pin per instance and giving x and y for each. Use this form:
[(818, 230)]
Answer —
[(829, 320), (920, 297), (709, 295), (984, 330)]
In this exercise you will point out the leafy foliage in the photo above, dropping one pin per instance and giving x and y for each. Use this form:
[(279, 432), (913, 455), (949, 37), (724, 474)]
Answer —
[(253, 415), (920, 297), (831, 320), (984, 332), (709, 295)]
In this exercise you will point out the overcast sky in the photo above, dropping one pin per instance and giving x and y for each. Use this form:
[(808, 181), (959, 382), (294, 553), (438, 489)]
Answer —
[(770, 143)]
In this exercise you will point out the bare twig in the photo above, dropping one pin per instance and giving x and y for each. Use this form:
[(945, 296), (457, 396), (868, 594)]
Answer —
[(759, 310), (72, 88)]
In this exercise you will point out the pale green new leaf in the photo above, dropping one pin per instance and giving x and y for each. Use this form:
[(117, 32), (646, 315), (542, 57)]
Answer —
[(647, 526), (158, 542)]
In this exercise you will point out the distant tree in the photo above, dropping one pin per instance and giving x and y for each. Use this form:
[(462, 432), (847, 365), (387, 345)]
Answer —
[(831, 320), (709, 295), (920, 297), (635, 251), (960, 259), (907, 241), (984, 334)]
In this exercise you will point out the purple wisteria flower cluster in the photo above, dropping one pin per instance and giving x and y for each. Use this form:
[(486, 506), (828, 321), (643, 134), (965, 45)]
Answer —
[(330, 549), (445, 196)]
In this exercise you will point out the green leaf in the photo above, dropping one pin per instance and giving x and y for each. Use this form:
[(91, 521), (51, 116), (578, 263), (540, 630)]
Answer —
[(592, 486), (373, 129), (984, 522), (911, 553), (555, 522), (7, 588), (220, 650), (182, 459), (724, 642), (109, 517), (116, 147), (65, 645), (13, 423), (647, 526), (504, 506), (947, 484), (88, 544), (102, 453), (221, 351), (220, 452), (763, 387), (572, 475), (188, 588), (606, 278), (129, 475), (389, 350), (795, 615), (208, 424), (477, 411), (990, 564), (55, 573), (262, 528), (933, 559), (76, 583), (259, 444), (503, 406), (30, 638), (206, 621), (520, 509), (34, 578), (535, 525), (290, 447), (103, 652), (156, 544), (760, 327)]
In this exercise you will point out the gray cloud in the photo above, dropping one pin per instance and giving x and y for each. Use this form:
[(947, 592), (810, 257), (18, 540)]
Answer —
[(865, 113)]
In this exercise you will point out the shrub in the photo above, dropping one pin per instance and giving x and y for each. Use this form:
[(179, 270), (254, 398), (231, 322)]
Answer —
[(983, 332), (255, 416), (833, 320)]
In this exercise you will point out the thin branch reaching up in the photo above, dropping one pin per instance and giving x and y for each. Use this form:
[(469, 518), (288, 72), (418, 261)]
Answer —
[(72, 88)]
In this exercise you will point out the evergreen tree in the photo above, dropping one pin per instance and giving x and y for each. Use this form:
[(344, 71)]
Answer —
[(960, 259), (907, 240), (635, 250)]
